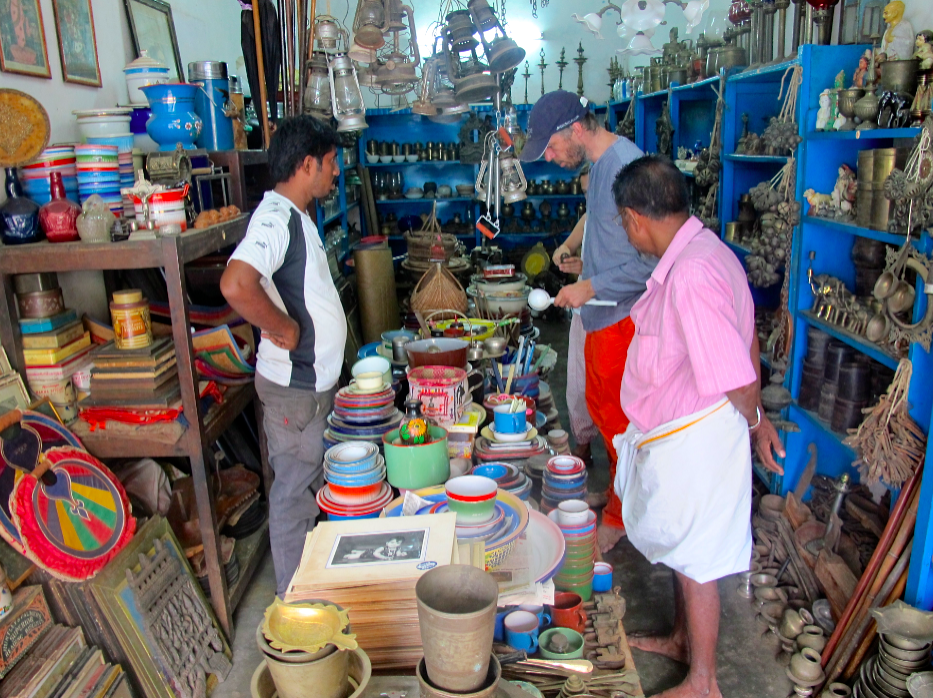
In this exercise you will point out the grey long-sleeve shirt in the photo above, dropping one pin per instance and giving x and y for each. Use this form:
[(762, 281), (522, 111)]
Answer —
[(617, 270)]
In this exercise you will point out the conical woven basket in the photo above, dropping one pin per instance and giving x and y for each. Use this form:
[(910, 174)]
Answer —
[(438, 289)]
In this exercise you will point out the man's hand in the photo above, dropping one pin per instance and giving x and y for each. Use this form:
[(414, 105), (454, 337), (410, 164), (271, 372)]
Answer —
[(561, 250), (764, 440), (286, 339), (575, 295), (571, 265)]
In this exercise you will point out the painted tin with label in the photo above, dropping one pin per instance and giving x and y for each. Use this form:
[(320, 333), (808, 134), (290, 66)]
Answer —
[(132, 325)]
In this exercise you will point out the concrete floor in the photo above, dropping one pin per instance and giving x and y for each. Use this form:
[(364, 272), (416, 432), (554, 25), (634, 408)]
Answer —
[(747, 666)]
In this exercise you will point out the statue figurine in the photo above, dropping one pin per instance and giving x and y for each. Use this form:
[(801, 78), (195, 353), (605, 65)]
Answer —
[(838, 119), (825, 112), (858, 79), (924, 52), (844, 192), (899, 37)]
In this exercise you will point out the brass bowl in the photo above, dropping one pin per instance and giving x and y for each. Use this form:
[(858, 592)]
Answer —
[(306, 627), (847, 100)]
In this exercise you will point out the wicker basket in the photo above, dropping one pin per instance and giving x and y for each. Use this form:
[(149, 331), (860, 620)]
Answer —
[(437, 290)]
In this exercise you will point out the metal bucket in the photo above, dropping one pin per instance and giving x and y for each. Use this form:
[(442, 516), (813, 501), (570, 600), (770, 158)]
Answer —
[(488, 687), (327, 675), (457, 614)]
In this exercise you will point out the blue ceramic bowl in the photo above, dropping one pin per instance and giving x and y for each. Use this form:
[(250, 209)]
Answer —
[(573, 484), (369, 477), (351, 456), (492, 471)]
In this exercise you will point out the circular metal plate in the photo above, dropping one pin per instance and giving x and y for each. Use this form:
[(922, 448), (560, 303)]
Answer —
[(24, 128)]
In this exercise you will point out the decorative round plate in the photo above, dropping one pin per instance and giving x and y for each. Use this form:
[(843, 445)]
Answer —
[(547, 545), (19, 454), (24, 128), (341, 427), (368, 350), (76, 525), (490, 433)]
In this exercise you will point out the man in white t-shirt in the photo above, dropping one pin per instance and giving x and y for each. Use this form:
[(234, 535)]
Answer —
[(278, 279)]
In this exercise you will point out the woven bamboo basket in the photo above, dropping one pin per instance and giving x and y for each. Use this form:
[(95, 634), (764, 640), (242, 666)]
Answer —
[(436, 290)]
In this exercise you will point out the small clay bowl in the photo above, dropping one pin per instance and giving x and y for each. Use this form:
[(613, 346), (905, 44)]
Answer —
[(836, 690), (764, 580), (905, 643), (766, 594)]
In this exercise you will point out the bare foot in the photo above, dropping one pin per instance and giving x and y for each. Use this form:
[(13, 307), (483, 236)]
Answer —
[(597, 500), (608, 536), (672, 646), (693, 688)]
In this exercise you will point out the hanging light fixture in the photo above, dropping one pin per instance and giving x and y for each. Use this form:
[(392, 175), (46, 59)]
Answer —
[(361, 54), (502, 53), (693, 13), (329, 35), (317, 99), (593, 21), (346, 96), (395, 72), (424, 104), (512, 181), (640, 45), (367, 24), (470, 77)]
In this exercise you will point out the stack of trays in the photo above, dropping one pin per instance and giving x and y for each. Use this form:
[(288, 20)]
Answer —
[(564, 478), (578, 524), (487, 450), (356, 486), (146, 377), (508, 477), (36, 176), (362, 415), (99, 173), (885, 675)]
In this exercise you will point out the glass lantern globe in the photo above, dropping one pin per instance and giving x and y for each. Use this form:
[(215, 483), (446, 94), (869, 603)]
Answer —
[(347, 99), (317, 101)]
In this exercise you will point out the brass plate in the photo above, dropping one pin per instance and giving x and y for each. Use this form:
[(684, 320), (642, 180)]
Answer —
[(24, 128), (306, 627)]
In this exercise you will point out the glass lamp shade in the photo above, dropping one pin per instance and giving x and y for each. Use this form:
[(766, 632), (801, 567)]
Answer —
[(640, 45), (693, 13), (424, 105), (317, 93), (642, 15), (511, 180), (347, 99), (362, 54), (739, 11), (626, 33), (592, 21), (717, 27)]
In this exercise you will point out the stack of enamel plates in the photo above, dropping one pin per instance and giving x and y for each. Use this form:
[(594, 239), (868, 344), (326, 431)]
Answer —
[(362, 415), (578, 524), (356, 486), (564, 478), (36, 176), (99, 173), (507, 476)]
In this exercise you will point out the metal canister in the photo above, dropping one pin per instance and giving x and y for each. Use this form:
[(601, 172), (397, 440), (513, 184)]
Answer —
[(132, 324), (239, 117), (863, 202), (866, 166), (885, 161), (212, 104), (33, 283)]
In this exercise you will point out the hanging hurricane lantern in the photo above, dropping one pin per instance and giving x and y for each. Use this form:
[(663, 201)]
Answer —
[(329, 35), (502, 53), (469, 75), (395, 70), (362, 54), (346, 96), (424, 104), (462, 30), (511, 179), (367, 25), (317, 99)]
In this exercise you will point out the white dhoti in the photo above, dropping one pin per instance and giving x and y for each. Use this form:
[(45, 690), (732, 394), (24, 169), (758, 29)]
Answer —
[(686, 491)]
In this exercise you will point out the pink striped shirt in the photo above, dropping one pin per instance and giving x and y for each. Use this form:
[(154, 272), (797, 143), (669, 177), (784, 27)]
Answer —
[(694, 328)]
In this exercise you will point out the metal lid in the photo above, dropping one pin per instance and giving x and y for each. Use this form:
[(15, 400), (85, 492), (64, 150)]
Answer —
[(130, 295), (207, 70), (32, 283), (144, 61), (235, 87)]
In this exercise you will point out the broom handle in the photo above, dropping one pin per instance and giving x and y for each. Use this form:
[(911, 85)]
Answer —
[(261, 69)]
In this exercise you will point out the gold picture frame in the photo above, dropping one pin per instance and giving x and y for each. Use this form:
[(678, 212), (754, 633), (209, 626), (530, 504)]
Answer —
[(77, 42), (22, 39)]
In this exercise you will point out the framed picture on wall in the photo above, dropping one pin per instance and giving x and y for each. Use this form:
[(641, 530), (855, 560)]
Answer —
[(153, 29), (77, 43), (22, 39)]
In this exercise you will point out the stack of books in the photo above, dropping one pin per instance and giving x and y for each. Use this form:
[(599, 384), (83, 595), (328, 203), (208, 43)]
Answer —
[(62, 665), (54, 348), (144, 378), (370, 567)]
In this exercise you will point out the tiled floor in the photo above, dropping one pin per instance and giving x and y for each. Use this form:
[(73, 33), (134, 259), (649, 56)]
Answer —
[(747, 666)]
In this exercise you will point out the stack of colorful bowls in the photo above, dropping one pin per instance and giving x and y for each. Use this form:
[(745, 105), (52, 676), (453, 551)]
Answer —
[(362, 413), (124, 144), (578, 524), (99, 173), (508, 477), (36, 176), (564, 478), (356, 486)]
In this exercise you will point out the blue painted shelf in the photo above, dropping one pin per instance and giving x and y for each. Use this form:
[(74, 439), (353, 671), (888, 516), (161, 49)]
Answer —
[(440, 200), (823, 427), (852, 229), (873, 134), (759, 159), (853, 340), (417, 162)]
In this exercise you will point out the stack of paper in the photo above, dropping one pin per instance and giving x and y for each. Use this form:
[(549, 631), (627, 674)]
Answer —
[(370, 567)]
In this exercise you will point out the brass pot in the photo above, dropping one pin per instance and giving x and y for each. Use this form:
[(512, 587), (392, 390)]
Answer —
[(724, 56), (866, 166), (678, 75), (900, 76), (847, 100), (866, 110)]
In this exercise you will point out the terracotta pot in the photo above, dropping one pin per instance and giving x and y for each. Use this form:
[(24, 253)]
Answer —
[(806, 665), (488, 685), (457, 612), (812, 637)]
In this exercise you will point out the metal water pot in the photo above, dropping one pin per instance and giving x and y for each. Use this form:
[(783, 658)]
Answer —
[(724, 56)]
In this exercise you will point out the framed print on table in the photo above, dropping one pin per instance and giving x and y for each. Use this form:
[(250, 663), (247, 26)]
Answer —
[(77, 43), (22, 39), (153, 30)]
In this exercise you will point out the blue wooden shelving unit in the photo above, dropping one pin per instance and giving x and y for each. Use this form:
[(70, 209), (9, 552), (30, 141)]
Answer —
[(341, 215)]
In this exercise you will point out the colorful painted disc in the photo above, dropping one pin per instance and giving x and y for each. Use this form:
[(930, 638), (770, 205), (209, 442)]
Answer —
[(74, 526)]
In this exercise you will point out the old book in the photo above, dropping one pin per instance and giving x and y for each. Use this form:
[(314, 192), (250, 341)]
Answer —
[(56, 338), (163, 397), (45, 357), (108, 355), (134, 372), (22, 627), (47, 324), (63, 369), (71, 647), (121, 386), (92, 666), (81, 663)]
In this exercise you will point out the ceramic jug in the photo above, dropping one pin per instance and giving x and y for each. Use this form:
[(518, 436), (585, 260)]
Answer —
[(19, 216), (173, 117), (59, 216)]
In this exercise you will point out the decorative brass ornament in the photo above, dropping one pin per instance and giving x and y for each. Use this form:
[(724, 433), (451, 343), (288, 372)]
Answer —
[(306, 627), (24, 128)]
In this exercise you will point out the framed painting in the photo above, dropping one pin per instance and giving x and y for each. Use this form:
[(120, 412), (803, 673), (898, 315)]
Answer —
[(153, 30), (22, 39), (77, 42)]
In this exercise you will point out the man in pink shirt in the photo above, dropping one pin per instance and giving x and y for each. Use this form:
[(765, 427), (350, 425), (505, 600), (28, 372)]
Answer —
[(691, 393)]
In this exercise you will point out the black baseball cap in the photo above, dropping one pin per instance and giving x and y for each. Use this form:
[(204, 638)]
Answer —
[(554, 112)]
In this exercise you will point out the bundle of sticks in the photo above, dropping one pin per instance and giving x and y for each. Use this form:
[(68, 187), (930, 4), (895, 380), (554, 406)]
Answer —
[(888, 442), (882, 583)]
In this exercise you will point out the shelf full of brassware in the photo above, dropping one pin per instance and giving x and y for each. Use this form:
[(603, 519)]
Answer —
[(436, 165)]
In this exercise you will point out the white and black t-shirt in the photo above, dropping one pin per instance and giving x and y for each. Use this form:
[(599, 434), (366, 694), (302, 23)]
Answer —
[(282, 244)]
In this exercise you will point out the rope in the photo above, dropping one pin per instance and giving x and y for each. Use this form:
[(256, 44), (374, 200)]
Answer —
[(793, 89)]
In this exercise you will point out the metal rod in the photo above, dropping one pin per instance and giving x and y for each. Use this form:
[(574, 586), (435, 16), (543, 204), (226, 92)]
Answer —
[(753, 35), (782, 29), (261, 69)]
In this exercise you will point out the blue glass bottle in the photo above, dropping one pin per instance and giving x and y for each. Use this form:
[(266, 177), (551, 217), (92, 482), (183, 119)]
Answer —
[(19, 216)]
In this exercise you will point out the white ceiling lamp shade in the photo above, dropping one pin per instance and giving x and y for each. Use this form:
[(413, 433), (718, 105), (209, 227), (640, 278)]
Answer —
[(642, 15), (627, 33), (640, 45), (693, 13), (592, 21)]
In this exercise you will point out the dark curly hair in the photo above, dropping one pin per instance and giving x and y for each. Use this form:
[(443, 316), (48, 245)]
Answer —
[(652, 186), (295, 139)]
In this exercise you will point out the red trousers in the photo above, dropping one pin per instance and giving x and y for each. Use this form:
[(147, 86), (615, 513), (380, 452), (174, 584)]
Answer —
[(605, 354)]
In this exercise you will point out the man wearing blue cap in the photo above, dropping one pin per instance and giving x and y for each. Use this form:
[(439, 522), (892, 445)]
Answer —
[(563, 130)]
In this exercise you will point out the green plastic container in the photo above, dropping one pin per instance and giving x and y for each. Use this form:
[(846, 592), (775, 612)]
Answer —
[(414, 467), (584, 590)]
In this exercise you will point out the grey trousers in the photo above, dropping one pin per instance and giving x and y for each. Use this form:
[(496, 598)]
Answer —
[(294, 421)]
